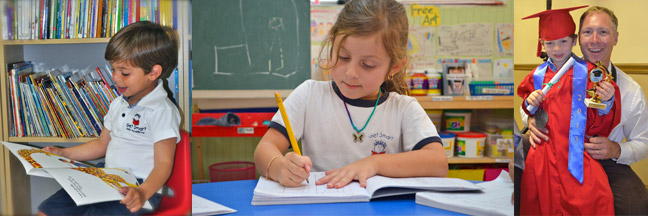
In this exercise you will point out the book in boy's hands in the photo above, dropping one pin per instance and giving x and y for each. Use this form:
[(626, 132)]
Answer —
[(84, 183), (268, 192), (494, 199)]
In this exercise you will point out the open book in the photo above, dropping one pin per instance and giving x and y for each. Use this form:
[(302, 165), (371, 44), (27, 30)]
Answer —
[(268, 192), (84, 183), (494, 199)]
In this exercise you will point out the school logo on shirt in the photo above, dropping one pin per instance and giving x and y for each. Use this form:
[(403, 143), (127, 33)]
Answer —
[(380, 142), (136, 119), (379, 147), (135, 125)]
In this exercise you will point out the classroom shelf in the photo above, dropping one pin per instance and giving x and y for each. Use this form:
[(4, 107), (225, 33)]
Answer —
[(482, 160), (466, 102), (50, 139), (56, 41)]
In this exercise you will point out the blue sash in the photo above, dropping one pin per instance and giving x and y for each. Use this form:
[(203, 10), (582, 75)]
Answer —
[(578, 114)]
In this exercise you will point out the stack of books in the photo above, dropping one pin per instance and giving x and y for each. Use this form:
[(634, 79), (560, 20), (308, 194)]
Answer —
[(58, 104)]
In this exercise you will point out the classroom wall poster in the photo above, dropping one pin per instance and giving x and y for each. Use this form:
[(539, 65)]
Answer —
[(321, 22), (503, 70), (474, 39), (427, 15), (504, 39), (420, 47)]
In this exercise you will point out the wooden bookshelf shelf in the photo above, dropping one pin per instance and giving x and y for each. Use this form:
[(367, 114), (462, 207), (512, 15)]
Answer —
[(50, 139), (466, 102), (56, 41), (482, 160)]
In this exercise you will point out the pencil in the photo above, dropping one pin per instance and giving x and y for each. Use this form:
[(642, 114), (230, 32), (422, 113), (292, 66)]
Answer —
[(291, 135)]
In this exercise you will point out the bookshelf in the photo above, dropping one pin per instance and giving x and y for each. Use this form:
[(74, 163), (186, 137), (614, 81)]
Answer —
[(14, 184)]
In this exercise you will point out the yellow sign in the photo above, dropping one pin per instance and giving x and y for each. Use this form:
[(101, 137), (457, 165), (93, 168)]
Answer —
[(429, 14)]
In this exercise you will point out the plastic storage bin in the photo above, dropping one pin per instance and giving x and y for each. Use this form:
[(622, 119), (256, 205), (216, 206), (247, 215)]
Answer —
[(448, 140), (470, 144), (457, 120), (495, 89), (252, 125), (231, 171), (499, 145)]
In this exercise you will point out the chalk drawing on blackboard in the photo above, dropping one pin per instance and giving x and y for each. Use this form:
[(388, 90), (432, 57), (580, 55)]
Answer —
[(276, 59)]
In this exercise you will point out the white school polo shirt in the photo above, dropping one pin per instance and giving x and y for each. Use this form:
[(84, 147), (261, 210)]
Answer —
[(318, 117), (135, 129)]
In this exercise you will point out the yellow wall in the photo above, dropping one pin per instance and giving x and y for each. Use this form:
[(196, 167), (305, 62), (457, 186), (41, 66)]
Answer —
[(630, 49)]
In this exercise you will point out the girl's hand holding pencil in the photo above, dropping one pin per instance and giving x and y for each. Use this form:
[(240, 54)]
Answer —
[(293, 169)]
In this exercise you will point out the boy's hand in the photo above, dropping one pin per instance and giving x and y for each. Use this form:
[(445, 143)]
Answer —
[(54, 149), (535, 98), (359, 170), (134, 198), (294, 169), (605, 90)]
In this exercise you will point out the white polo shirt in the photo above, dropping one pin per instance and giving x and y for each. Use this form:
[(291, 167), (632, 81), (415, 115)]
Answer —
[(318, 117), (135, 129)]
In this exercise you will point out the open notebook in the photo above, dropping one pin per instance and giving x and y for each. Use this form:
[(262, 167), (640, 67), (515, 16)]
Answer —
[(494, 199), (268, 192), (201, 206)]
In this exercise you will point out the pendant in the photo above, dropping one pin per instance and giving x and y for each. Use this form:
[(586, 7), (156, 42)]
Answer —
[(358, 136)]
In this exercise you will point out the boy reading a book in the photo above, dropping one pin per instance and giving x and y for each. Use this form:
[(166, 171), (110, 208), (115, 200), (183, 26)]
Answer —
[(559, 177), (141, 127)]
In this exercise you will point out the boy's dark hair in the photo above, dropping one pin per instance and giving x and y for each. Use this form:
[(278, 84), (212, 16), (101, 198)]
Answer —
[(145, 44)]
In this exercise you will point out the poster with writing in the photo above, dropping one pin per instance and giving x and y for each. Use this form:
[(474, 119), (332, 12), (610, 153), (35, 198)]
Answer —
[(474, 39), (504, 38), (420, 47), (425, 15)]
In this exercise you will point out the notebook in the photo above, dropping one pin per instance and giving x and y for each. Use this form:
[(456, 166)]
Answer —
[(268, 192), (201, 206), (494, 199)]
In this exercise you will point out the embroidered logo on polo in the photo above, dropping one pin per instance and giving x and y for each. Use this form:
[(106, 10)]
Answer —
[(379, 147), (134, 126), (136, 119)]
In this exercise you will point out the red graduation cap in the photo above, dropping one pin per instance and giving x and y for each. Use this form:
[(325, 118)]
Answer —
[(555, 24)]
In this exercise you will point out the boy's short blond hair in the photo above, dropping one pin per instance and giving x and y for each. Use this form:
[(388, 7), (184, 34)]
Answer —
[(145, 44)]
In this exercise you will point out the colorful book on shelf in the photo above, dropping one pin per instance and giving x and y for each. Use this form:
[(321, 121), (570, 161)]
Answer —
[(49, 109), (84, 183), (14, 106), (268, 192)]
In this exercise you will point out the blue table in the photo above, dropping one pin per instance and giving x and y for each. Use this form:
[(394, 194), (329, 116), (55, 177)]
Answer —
[(238, 195)]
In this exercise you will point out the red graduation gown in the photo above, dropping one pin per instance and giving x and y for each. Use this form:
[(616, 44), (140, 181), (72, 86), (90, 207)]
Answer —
[(548, 188)]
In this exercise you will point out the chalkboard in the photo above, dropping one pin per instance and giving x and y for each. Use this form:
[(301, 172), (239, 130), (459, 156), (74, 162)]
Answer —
[(250, 44)]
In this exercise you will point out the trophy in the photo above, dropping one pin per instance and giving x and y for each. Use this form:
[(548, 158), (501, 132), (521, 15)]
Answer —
[(596, 75)]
